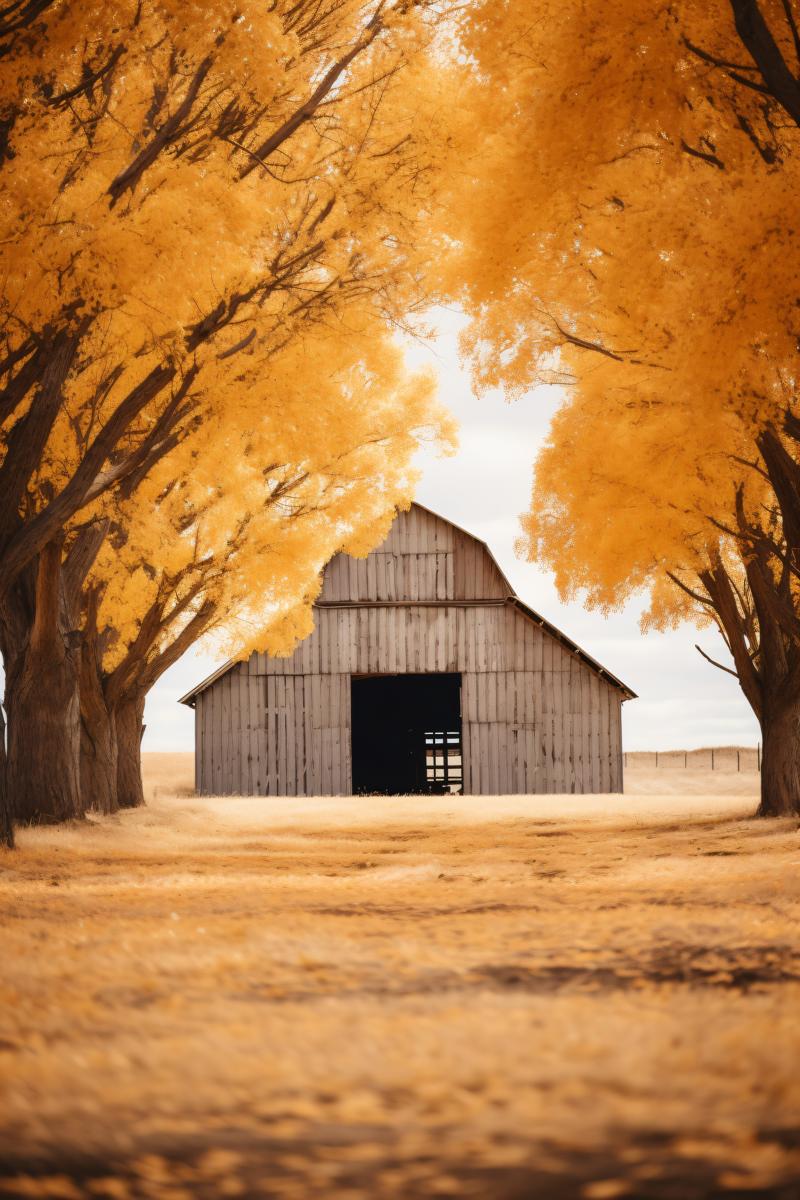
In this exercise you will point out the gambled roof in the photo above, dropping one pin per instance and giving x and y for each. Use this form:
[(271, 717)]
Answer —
[(511, 599)]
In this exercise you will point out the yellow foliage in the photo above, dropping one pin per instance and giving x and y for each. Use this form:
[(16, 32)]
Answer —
[(228, 207), (628, 233), (140, 211), (245, 532)]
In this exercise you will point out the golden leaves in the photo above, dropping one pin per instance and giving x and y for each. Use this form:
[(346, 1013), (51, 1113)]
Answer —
[(185, 173), (626, 236)]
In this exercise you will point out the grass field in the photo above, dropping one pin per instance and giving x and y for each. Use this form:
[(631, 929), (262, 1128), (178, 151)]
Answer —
[(499, 998)]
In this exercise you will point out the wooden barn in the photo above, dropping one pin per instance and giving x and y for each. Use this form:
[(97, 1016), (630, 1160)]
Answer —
[(424, 673)]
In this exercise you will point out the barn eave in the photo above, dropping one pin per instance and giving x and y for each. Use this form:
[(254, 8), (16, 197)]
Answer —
[(191, 696), (590, 662), (512, 599)]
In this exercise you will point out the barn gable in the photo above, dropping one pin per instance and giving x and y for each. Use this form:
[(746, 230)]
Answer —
[(424, 557), (431, 610)]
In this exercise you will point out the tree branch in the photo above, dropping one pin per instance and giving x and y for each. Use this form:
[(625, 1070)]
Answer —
[(714, 662), (756, 36)]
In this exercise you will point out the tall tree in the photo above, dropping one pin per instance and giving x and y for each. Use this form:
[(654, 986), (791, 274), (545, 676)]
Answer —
[(632, 216), (695, 513), (184, 191), (233, 548)]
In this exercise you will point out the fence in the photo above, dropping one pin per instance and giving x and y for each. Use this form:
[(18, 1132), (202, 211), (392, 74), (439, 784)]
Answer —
[(713, 758)]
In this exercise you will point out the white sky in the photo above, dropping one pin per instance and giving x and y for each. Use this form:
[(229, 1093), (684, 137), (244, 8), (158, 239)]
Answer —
[(683, 702)]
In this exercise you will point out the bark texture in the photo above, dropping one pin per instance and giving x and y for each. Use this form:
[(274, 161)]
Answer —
[(98, 755), (780, 766), (758, 614), (98, 770), (6, 826), (43, 769), (128, 716)]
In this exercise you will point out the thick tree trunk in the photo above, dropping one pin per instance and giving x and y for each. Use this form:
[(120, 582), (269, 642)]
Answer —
[(43, 771), (128, 715), (780, 764), (6, 827), (98, 756), (98, 735), (44, 740)]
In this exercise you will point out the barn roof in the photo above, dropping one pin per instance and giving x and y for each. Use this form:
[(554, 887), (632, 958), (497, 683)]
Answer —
[(512, 599)]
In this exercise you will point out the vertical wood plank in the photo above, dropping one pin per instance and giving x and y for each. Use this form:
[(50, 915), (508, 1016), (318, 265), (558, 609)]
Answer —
[(618, 779), (290, 776), (468, 752), (369, 568), (308, 737), (198, 744), (251, 736), (505, 749), (216, 739), (261, 734), (605, 739), (594, 728), (272, 737), (325, 732), (381, 649), (241, 684), (586, 728), (487, 764)]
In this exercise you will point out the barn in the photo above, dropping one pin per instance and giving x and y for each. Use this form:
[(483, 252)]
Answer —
[(424, 673)]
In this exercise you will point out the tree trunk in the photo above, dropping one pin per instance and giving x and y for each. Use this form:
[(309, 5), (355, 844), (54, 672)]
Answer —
[(780, 763), (6, 828), (43, 770), (128, 716), (98, 736), (98, 756)]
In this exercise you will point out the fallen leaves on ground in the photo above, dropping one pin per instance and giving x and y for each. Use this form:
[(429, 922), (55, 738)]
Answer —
[(394, 997)]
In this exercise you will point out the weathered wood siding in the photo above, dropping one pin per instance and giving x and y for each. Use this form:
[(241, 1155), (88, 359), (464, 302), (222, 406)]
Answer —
[(423, 558), (536, 718)]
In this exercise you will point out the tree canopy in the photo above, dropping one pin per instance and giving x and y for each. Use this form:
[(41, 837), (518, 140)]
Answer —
[(184, 191), (190, 196), (632, 215)]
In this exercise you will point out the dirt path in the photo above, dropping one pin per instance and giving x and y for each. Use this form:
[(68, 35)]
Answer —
[(554, 997)]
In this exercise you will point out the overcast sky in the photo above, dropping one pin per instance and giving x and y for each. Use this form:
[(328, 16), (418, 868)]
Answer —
[(683, 702)]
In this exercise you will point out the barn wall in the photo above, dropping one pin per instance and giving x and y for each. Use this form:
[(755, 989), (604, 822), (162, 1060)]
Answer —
[(535, 717)]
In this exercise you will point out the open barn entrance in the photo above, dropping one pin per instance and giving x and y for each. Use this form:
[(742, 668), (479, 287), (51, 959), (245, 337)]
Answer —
[(407, 734)]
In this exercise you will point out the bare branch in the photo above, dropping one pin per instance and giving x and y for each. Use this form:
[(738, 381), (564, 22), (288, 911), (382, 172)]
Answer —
[(714, 662)]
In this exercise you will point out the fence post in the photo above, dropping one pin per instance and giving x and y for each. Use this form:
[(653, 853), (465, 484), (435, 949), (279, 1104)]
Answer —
[(758, 757), (738, 767), (712, 758), (656, 758), (685, 760)]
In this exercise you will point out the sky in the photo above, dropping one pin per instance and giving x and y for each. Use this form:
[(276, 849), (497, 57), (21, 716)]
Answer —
[(683, 703)]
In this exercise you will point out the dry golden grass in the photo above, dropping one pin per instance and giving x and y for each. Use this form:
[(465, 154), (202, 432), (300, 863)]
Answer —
[(511, 997)]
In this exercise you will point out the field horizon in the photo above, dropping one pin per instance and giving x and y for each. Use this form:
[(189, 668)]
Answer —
[(165, 770)]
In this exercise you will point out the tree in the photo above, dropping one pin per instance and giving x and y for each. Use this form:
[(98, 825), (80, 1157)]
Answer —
[(660, 507), (196, 188), (235, 546), (632, 215)]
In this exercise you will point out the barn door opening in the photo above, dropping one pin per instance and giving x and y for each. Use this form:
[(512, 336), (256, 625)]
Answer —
[(407, 734)]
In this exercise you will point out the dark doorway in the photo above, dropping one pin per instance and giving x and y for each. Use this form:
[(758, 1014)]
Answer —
[(407, 734)]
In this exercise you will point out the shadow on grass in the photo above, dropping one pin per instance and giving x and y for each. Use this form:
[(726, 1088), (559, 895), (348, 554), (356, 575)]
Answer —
[(361, 1162)]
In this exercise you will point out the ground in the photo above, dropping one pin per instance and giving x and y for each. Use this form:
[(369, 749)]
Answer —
[(364, 998)]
